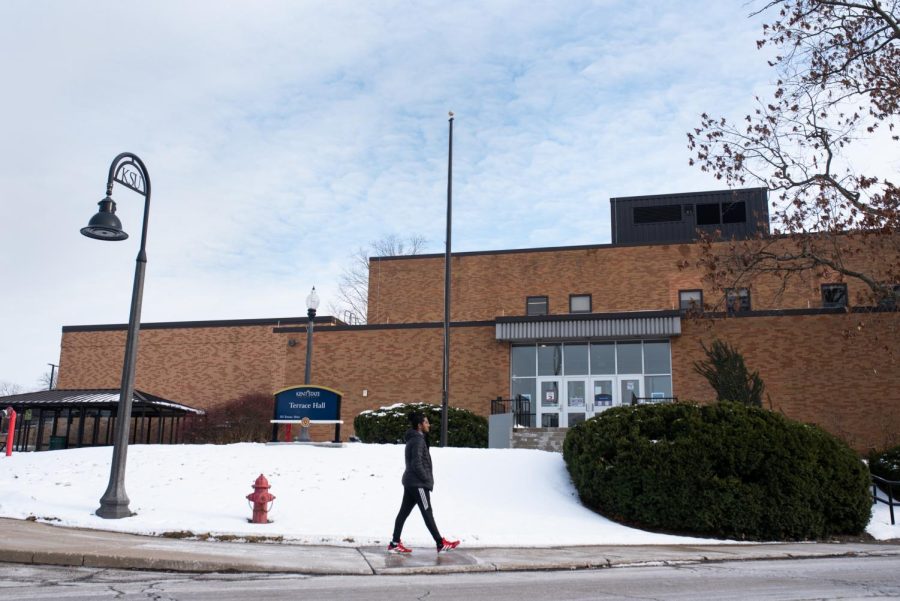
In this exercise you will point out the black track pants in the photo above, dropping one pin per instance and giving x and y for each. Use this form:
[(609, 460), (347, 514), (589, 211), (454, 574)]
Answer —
[(413, 496)]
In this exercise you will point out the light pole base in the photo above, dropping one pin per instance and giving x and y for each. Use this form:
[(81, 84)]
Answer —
[(114, 510)]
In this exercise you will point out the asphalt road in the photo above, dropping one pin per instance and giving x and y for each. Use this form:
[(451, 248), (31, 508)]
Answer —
[(834, 578)]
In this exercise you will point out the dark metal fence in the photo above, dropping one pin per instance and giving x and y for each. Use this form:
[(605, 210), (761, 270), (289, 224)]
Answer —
[(520, 407), (888, 488)]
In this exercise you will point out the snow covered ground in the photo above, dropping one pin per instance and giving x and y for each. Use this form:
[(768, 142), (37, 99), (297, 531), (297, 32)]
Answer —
[(341, 496)]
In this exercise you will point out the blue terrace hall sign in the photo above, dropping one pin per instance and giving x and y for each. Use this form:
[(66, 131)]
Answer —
[(307, 405)]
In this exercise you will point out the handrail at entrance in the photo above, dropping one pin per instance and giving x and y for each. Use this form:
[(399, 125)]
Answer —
[(519, 406), (888, 487), (647, 400)]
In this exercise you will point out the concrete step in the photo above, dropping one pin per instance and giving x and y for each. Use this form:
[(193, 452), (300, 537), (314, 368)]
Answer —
[(543, 439)]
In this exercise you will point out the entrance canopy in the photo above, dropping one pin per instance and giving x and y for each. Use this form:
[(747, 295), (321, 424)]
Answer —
[(55, 419), (594, 326)]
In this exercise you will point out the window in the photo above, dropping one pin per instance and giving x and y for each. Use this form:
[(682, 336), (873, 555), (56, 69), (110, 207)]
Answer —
[(834, 295), (657, 359), (579, 303), (628, 358), (524, 361), (708, 214), (575, 359), (737, 300), (690, 300), (603, 358), (891, 300), (734, 212), (536, 305), (549, 360), (661, 214), (713, 213)]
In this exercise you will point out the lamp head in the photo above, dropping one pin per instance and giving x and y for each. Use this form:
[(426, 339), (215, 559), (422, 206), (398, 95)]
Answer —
[(105, 225), (312, 301)]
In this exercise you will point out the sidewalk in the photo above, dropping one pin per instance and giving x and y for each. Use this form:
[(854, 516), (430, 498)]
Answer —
[(36, 543)]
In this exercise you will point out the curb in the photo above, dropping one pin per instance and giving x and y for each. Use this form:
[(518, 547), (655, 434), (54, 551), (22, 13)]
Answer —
[(26, 542)]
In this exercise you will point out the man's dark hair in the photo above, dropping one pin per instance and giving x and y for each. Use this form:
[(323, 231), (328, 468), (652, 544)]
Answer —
[(415, 418)]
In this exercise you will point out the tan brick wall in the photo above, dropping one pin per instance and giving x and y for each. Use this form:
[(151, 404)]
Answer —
[(622, 278), (402, 365), (813, 372), (196, 366)]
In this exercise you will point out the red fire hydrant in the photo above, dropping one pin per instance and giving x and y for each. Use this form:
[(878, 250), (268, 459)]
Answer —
[(262, 500)]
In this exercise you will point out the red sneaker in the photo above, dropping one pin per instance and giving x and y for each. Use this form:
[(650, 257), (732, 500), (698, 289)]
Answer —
[(398, 548), (447, 545)]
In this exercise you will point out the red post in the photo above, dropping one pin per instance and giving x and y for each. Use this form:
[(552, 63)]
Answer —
[(10, 430)]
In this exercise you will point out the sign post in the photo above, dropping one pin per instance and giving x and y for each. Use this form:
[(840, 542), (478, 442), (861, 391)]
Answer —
[(307, 405)]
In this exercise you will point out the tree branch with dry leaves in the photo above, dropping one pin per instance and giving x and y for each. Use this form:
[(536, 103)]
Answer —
[(838, 83)]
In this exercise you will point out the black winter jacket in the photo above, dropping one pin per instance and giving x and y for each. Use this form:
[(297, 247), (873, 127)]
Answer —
[(418, 461)]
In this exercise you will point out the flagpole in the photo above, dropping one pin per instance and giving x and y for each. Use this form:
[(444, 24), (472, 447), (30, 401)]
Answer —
[(445, 394)]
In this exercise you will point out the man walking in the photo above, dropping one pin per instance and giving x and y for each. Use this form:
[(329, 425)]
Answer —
[(418, 482)]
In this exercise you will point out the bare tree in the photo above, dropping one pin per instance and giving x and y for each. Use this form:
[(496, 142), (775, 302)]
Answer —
[(838, 67), (353, 285), (48, 379), (9, 388)]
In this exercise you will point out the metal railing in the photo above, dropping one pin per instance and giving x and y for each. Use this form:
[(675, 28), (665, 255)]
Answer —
[(653, 400), (520, 407), (887, 486)]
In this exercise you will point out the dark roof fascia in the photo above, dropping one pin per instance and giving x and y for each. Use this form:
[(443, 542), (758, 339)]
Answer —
[(542, 249), (220, 323), (589, 316), (610, 245), (391, 326), (688, 194), (794, 312)]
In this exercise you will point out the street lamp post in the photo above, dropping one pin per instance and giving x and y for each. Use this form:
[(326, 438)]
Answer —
[(312, 303), (128, 170), (53, 367)]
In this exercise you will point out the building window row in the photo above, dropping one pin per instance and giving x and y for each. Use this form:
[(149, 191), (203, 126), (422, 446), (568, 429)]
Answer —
[(540, 305), (737, 300)]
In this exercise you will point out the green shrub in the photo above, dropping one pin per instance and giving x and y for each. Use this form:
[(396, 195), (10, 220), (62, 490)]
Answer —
[(389, 425), (726, 372), (725, 470)]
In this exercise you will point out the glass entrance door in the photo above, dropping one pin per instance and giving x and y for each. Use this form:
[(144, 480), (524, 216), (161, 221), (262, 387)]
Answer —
[(548, 407), (630, 389), (576, 404), (602, 395)]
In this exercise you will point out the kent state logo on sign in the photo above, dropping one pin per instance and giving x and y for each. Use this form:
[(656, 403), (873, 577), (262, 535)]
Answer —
[(314, 402)]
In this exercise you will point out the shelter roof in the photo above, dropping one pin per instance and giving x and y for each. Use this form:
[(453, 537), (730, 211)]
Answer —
[(95, 398)]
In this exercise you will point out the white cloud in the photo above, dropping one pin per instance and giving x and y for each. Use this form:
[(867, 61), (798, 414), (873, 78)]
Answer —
[(280, 136)]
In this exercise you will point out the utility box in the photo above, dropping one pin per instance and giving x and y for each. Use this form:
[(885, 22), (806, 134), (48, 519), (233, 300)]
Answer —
[(673, 218)]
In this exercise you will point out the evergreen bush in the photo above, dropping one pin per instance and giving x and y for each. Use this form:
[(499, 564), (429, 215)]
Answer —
[(724, 470), (389, 425), (726, 372)]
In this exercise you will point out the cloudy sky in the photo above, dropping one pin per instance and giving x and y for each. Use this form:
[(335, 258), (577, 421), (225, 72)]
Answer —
[(282, 135)]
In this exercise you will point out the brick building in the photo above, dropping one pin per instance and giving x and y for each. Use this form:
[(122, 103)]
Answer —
[(575, 329)]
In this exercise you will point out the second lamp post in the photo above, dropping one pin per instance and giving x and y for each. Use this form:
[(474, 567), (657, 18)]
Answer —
[(312, 303)]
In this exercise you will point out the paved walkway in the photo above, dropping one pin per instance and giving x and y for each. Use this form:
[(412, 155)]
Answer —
[(36, 543)]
